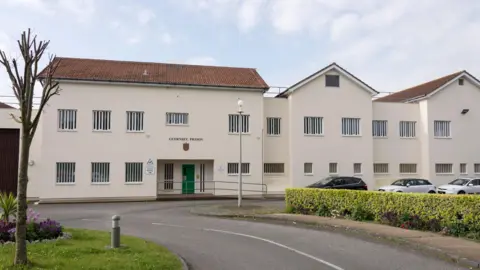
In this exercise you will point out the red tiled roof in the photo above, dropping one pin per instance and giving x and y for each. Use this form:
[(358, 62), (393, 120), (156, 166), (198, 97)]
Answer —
[(157, 73), (419, 90), (5, 106)]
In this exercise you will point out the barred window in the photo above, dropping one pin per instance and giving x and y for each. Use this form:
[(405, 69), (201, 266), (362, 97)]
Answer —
[(407, 129), (234, 123), (357, 168), (380, 168), (408, 168), (444, 168), (67, 119), (176, 118), (65, 172), (313, 125), (135, 121), (379, 128), (476, 168), (351, 126), (333, 168), (308, 168), (463, 168), (102, 120), (133, 172), (168, 176), (441, 129), (232, 168), (100, 172), (269, 168), (273, 125)]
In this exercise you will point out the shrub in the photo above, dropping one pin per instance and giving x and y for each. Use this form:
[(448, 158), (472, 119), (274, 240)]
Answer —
[(36, 231), (433, 212), (8, 206)]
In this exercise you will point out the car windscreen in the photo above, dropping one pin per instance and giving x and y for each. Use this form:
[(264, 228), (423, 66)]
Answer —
[(324, 180), (401, 182), (459, 182)]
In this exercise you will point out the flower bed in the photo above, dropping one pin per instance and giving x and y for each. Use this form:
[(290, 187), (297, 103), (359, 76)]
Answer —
[(451, 214), (37, 231)]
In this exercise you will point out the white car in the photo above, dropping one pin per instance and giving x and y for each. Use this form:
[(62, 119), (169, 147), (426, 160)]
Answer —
[(461, 186), (411, 185)]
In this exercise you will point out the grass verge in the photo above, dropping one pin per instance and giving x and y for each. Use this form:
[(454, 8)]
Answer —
[(87, 250)]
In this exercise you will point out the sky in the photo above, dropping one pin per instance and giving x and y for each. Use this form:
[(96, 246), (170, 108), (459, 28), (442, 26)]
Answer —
[(389, 44)]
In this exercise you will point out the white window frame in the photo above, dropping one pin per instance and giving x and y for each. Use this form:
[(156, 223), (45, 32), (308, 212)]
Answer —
[(132, 168), (274, 126), (245, 168), (269, 168), (351, 127), (65, 166), (379, 128), (476, 168), (135, 121), (177, 119), (443, 173), (402, 127), (406, 165), (313, 126), (359, 167), (100, 168), (379, 165), (105, 120), (438, 125), (463, 172), (65, 114), (333, 165), (234, 123), (305, 168)]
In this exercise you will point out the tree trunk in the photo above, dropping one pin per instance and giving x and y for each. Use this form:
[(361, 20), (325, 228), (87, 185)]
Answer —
[(21, 226)]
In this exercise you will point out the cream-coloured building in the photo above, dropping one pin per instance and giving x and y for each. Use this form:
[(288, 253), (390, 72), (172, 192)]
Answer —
[(130, 130)]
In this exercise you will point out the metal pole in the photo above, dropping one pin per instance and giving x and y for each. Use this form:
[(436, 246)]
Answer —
[(115, 241), (240, 162)]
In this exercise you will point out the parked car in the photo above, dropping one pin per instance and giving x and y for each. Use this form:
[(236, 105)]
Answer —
[(413, 185), (340, 182), (461, 186)]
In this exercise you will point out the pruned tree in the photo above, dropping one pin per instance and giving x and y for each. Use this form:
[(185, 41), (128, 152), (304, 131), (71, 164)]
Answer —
[(24, 73)]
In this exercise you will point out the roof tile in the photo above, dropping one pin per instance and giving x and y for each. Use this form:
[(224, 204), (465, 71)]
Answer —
[(419, 90), (5, 106), (157, 73)]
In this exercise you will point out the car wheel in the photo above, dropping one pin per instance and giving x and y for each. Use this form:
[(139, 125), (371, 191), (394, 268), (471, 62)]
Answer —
[(432, 192), (461, 192)]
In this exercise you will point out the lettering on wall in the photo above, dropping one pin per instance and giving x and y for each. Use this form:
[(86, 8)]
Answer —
[(185, 139)]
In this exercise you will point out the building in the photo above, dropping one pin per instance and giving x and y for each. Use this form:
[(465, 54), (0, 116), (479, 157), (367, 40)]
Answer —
[(138, 130)]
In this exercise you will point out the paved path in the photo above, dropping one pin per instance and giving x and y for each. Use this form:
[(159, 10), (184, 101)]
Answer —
[(211, 243)]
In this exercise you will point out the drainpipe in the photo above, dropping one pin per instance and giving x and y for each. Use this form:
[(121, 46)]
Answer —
[(263, 154)]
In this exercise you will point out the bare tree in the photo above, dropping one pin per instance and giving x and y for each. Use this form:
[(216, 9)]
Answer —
[(23, 80)]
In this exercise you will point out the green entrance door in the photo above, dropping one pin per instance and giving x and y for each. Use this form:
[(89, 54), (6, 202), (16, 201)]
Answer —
[(188, 176)]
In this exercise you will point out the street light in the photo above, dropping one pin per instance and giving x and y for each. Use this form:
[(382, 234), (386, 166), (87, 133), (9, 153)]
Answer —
[(240, 130)]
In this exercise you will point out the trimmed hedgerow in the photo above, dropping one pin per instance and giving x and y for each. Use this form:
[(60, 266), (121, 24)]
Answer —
[(455, 214)]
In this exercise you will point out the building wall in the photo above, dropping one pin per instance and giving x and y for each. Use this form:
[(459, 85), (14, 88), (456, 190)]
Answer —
[(6, 121), (208, 119), (276, 147), (462, 146), (393, 149), (314, 99)]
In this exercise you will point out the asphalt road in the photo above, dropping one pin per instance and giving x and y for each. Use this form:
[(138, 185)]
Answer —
[(212, 243)]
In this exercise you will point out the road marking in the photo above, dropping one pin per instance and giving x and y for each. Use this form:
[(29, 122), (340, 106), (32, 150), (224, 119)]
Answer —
[(333, 266)]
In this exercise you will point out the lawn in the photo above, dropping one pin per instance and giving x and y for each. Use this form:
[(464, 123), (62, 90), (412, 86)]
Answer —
[(86, 250)]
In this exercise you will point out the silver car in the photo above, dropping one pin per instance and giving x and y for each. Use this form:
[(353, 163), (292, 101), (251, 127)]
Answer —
[(411, 185), (461, 186)]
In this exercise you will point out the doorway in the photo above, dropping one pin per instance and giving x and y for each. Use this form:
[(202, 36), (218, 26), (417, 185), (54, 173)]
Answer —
[(188, 179)]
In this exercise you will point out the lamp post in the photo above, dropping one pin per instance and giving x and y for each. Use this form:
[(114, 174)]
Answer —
[(240, 130)]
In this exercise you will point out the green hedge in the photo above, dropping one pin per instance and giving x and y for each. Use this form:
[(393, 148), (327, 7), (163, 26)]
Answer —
[(460, 212)]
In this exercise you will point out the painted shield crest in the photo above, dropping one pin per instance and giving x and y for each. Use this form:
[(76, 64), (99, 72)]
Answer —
[(186, 146)]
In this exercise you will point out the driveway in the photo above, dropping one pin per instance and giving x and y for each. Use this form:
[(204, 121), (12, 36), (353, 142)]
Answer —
[(212, 243)]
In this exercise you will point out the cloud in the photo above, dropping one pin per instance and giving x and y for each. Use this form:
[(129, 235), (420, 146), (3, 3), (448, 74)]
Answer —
[(82, 9), (248, 14), (144, 16), (134, 40), (166, 38), (202, 60)]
